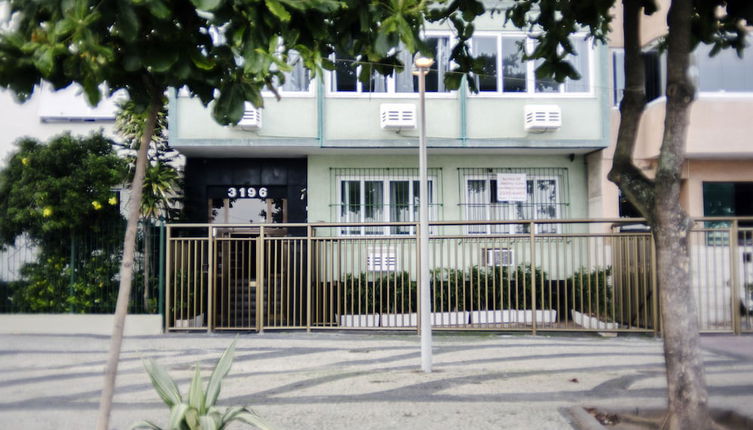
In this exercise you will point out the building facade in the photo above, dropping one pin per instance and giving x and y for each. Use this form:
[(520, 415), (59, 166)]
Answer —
[(718, 172), (334, 149)]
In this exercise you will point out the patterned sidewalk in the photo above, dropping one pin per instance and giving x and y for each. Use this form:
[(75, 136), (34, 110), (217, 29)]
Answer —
[(364, 381)]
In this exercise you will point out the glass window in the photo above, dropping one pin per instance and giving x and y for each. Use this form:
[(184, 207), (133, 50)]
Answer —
[(406, 82), (580, 62), (514, 73), (724, 71), (503, 68), (348, 69), (381, 200), (618, 76), (296, 80), (542, 202), (485, 49)]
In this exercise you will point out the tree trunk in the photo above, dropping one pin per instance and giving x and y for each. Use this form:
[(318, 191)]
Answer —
[(126, 269), (659, 201), (686, 385)]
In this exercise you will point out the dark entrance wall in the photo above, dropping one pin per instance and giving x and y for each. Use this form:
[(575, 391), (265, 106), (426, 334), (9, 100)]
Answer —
[(284, 177)]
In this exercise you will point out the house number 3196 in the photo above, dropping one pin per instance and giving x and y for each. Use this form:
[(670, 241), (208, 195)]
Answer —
[(246, 192)]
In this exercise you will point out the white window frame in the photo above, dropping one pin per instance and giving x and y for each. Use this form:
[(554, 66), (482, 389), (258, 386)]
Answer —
[(310, 92), (509, 207), (531, 69), (391, 92), (386, 203)]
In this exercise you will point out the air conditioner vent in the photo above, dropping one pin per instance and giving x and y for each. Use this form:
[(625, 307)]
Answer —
[(251, 118), (381, 259), (497, 257), (541, 118), (397, 116)]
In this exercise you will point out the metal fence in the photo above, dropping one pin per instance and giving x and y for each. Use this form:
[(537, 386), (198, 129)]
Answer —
[(81, 273), (599, 276)]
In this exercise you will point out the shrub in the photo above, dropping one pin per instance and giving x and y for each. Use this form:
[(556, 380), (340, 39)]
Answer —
[(498, 287), (392, 292), (197, 411), (591, 292)]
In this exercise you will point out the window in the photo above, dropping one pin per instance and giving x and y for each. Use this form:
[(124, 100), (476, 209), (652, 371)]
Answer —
[(540, 197), (727, 199), (504, 70), (298, 79), (385, 198), (344, 79), (724, 71), (653, 65)]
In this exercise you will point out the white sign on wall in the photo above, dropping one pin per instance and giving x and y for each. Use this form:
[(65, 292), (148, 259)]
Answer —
[(511, 187)]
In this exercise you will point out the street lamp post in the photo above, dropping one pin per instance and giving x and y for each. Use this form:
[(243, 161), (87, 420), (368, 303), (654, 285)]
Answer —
[(423, 64)]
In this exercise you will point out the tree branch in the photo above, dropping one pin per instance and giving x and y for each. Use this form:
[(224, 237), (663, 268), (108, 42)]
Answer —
[(636, 187)]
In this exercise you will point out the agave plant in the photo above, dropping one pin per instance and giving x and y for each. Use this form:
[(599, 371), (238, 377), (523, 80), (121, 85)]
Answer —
[(198, 410)]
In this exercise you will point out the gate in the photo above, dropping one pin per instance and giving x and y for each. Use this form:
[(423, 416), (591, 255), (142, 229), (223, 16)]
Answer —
[(577, 275)]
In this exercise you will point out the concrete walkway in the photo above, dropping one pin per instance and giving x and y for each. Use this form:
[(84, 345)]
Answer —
[(362, 381)]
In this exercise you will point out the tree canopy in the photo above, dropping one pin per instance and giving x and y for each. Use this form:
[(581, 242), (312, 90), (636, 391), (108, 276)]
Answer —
[(52, 190)]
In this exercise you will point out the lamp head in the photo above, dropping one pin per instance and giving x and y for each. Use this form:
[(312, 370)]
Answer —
[(423, 62)]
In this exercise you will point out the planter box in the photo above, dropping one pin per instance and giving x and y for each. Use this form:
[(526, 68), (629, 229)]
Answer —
[(399, 320), (586, 321), (365, 320), (195, 322), (511, 316), (449, 318)]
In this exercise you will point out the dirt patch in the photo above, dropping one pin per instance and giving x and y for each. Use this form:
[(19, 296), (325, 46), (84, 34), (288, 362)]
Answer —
[(644, 419)]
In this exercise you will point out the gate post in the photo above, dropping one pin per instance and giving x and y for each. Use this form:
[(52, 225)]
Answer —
[(161, 282), (168, 294), (212, 273), (734, 278), (532, 238), (656, 302), (260, 281), (308, 277)]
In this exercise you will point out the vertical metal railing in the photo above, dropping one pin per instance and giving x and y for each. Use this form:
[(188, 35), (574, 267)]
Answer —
[(531, 278)]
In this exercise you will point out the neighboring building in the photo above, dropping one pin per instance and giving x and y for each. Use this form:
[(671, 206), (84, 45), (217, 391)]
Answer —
[(49, 113), (335, 149), (718, 173)]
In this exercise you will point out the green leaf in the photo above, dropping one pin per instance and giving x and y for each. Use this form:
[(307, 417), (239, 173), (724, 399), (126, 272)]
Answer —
[(160, 60), (206, 4), (159, 9), (163, 383), (144, 425), (177, 416), (128, 21), (221, 369), (93, 96), (209, 422), (201, 61), (278, 10), (453, 80), (249, 417), (196, 392)]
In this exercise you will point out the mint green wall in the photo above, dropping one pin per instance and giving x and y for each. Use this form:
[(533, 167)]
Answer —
[(289, 117), (354, 120), (320, 189)]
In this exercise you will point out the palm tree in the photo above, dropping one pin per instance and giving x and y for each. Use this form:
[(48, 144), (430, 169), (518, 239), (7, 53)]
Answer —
[(162, 180)]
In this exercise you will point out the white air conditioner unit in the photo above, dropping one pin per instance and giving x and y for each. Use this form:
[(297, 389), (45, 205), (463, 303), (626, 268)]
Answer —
[(251, 118), (541, 118), (381, 259), (397, 116), (497, 257)]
